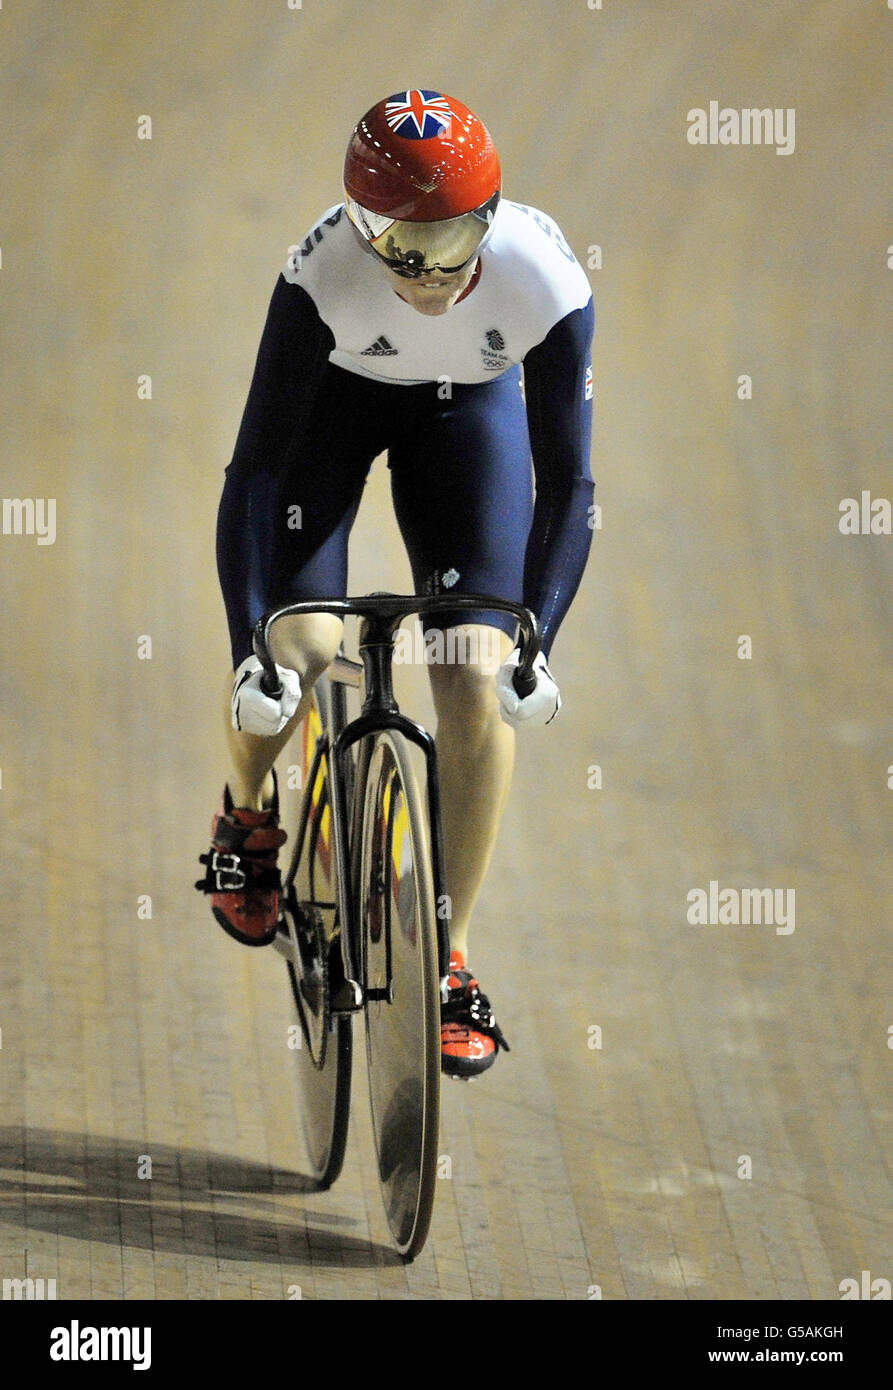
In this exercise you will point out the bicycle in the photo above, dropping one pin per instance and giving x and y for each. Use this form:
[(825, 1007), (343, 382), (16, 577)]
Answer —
[(363, 924)]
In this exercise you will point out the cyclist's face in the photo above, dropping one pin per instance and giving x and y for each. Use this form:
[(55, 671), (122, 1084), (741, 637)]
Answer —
[(434, 293)]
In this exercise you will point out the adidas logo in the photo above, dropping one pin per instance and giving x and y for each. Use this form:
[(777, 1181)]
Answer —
[(380, 348)]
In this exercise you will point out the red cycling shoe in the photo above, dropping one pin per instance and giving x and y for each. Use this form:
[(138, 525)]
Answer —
[(470, 1037), (242, 877)]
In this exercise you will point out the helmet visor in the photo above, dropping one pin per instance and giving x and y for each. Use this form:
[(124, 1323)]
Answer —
[(413, 249)]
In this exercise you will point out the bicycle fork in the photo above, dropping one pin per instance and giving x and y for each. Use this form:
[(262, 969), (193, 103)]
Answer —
[(380, 711)]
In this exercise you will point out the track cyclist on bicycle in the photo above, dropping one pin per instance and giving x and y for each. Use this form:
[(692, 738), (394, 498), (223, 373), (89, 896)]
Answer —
[(400, 324)]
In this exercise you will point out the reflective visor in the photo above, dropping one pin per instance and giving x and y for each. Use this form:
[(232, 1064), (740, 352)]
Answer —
[(413, 249)]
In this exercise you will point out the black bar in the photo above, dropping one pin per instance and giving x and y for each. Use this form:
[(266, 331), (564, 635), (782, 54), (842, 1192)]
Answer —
[(395, 607)]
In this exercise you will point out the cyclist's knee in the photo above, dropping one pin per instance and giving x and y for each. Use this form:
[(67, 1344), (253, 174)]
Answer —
[(463, 683), (307, 643)]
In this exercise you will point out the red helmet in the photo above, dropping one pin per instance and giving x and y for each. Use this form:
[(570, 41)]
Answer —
[(422, 182)]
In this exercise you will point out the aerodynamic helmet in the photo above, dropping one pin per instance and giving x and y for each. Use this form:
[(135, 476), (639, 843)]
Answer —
[(422, 182)]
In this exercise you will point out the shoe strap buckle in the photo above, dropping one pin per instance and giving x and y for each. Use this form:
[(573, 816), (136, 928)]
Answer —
[(229, 876)]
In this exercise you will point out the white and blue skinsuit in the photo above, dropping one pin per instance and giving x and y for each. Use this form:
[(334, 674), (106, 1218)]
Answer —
[(347, 369)]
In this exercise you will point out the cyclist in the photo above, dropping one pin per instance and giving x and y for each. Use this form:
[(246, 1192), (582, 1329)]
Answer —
[(401, 324)]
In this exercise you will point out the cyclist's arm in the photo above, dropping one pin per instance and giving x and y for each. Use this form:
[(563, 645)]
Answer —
[(294, 349), (559, 419)]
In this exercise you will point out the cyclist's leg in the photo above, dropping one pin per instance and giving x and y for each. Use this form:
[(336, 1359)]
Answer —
[(307, 644), (475, 752), (268, 561), (464, 501)]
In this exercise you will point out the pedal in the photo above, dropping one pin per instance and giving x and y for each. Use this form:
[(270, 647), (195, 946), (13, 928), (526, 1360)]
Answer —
[(345, 994), (347, 998)]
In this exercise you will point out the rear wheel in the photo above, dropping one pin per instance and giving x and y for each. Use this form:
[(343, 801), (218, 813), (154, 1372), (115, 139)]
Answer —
[(311, 920), (399, 933)]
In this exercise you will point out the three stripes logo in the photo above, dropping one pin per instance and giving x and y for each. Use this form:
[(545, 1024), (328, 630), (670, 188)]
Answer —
[(380, 348)]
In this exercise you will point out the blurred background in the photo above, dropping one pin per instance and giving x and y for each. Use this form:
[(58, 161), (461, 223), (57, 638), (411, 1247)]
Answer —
[(573, 1166)]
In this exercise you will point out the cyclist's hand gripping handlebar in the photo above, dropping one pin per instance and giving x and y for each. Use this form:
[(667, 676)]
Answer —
[(523, 679), (256, 709)]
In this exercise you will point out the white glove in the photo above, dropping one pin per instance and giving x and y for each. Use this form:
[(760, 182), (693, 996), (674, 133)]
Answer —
[(257, 713), (540, 706)]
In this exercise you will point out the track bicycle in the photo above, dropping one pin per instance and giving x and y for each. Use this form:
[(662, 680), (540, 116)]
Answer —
[(364, 922)]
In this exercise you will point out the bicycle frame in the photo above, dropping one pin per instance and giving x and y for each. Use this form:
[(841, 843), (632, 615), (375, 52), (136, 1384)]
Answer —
[(382, 614)]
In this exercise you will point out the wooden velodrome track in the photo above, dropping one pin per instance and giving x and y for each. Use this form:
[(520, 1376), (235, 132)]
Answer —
[(573, 1166)]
